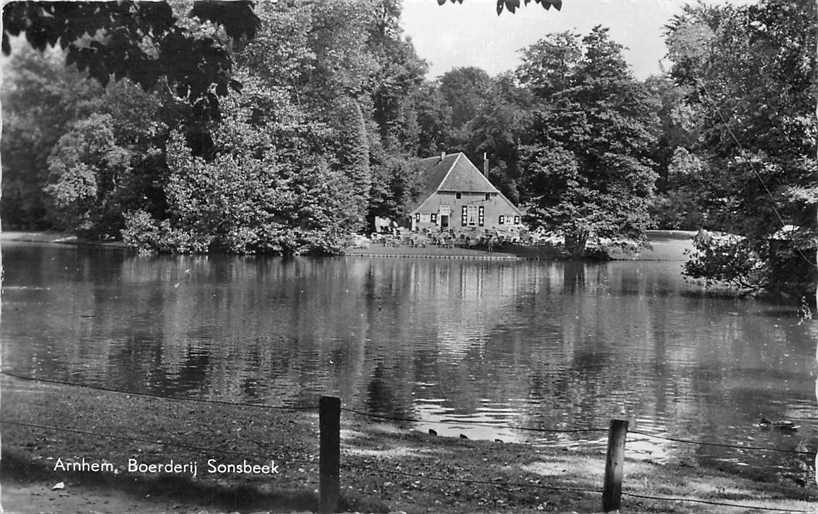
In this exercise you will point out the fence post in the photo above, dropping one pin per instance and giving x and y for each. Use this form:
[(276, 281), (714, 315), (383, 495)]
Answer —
[(612, 490), (329, 464)]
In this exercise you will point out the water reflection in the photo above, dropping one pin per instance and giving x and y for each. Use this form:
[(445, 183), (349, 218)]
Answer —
[(507, 344)]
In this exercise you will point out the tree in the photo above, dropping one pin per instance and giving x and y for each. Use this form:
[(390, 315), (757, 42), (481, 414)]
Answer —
[(43, 100), (143, 41), (585, 168), (395, 183), (85, 171), (398, 77), (683, 204), (343, 65), (266, 189), (434, 118), (549, 65), (513, 5), (680, 202), (465, 90), (353, 154), (280, 54), (497, 130), (751, 73), (40, 99), (334, 91)]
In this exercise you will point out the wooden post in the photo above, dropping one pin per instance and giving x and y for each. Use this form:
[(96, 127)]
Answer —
[(329, 422), (612, 490)]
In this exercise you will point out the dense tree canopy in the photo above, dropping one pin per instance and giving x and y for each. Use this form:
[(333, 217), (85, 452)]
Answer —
[(143, 41), (586, 166), (513, 5), (750, 76), (315, 111)]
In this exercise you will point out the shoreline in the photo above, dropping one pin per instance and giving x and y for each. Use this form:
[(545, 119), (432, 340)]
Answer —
[(384, 468), (60, 238), (665, 245)]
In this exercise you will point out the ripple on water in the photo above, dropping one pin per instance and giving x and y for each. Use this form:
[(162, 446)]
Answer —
[(451, 343)]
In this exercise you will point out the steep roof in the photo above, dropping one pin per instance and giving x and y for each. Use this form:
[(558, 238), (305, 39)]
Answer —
[(454, 173), (465, 177)]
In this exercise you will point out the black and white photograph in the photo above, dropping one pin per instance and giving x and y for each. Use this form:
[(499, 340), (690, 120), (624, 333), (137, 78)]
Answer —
[(409, 256)]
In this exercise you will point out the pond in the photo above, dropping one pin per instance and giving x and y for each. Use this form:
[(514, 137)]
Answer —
[(449, 342)]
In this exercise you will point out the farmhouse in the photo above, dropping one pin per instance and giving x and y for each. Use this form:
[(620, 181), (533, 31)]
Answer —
[(456, 196)]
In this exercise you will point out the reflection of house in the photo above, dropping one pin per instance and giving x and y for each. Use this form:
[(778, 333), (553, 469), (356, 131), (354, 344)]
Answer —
[(457, 196)]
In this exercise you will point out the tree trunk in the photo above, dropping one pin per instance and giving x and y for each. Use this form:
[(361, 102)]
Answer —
[(575, 242)]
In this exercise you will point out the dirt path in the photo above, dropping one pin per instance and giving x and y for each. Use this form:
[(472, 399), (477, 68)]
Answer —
[(17, 497)]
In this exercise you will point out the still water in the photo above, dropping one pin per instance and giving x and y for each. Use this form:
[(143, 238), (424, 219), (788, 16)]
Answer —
[(509, 344)]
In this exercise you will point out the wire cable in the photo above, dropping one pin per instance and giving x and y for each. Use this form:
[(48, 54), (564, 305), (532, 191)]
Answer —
[(374, 469), (706, 97), (473, 423), (721, 445), (710, 502), (141, 440)]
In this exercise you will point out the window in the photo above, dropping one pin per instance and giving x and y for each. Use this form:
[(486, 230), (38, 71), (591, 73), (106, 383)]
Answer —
[(434, 217), (516, 220), (457, 195), (502, 219), (464, 215), (417, 217), (481, 216), (488, 196)]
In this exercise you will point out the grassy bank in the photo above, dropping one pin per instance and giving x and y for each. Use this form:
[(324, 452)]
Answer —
[(55, 238), (664, 246), (383, 469), (430, 252), (660, 248)]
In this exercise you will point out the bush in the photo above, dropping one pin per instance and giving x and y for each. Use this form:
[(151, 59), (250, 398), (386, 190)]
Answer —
[(140, 232), (726, 259), (146, 236)]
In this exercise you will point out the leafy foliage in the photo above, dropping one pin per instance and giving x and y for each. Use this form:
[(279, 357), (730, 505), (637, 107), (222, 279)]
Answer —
[(513, 5), (497, 131), (465, 89), (586, 170), (396, 183), (434, 118), (143, 41), (40, 100), (750, 72), (726, 259), (256, 195), (86, 168)]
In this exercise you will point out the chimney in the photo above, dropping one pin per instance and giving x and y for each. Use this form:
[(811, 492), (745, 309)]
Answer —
[(485, 165), (442, 156)]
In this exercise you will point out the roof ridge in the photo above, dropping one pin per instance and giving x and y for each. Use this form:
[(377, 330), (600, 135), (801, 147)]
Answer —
[(485, 180), (448, 172)]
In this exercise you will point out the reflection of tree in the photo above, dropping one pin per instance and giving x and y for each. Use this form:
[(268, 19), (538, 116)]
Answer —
[(390, 334), (573, 277), (381, 398)]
